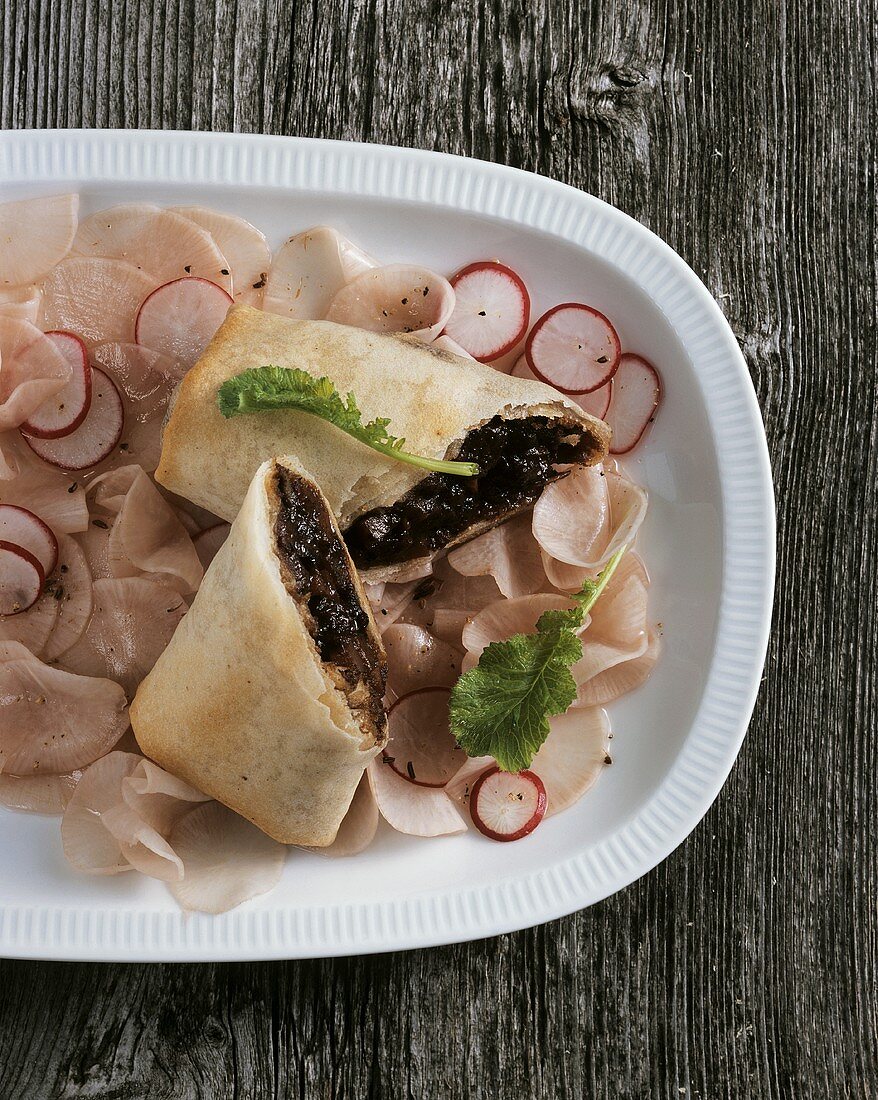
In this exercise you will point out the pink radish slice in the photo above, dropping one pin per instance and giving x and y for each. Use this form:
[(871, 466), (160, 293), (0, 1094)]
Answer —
[(243, 246), (208, 542), (396, 298), (506, 805), (22, 302), (31, 370), (416, 659), (159, 242), (21, 578), (33, 627), (637, 390), (36, 234), (573, 348), (21, 527), (226, 860), (491, 310), (71, 587), (180, 318), (410, 809), (597, 402), (508, 553), (421, 747), (38, 794), (309, 270), (96, 299), (95, 437), (63, 412)]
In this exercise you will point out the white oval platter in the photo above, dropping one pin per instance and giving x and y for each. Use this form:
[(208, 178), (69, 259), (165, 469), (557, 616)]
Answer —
[(708, 541)]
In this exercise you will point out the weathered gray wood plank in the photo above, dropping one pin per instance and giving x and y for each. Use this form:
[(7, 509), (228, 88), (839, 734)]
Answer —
[(741, 131)]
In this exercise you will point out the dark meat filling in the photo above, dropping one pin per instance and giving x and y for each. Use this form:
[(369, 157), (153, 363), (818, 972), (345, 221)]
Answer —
[(319, 571), (516, 460)]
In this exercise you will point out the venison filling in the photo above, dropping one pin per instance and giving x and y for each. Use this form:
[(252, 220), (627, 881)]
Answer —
[(318, 575), (516, 460)]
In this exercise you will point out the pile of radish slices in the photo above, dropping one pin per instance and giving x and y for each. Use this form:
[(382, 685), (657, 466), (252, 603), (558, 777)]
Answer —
[(100, 318)]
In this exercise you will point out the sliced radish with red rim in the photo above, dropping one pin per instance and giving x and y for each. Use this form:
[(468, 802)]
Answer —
[(421, 747), (63, 412), (179, 319), (596, 403), (22, 528), (637, 390), (21, 578), (95, 437), (573, 348), (507, 805), (491, 310)]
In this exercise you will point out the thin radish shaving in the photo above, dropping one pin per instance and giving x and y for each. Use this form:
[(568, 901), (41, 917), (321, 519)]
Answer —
[(447, 601), (36, 234), (120, 817), (226, 860), (158, 242), (618, 629), (417, 659), (619, 679), (421, 747), (509, 553), (33, 627), (145, 380), (179, 319), (21, 527), (21, 578), (309, 270), (148, 538), (491, 310), (64, 411), (397, 298), (57, 498), (54, 722), (571, 516), (88, 845), (96, 299), (243, 246), (109, 489), (500, 620), (32, 369), (637, 390), (38, 794), (573, 756), (132, 622), (208, 542), (417, 811), (573, 348), (71, 588), (21, 302)]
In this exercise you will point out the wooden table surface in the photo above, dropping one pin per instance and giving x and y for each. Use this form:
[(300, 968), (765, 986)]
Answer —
[(743, 133)]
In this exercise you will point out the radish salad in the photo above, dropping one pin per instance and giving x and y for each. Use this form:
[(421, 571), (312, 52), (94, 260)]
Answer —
[(100, 318)]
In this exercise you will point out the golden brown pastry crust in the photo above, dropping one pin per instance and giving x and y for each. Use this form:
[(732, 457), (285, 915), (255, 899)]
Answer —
[(433, 398), (240, 703)]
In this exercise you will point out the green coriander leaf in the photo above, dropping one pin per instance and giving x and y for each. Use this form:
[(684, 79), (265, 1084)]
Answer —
[(265, 389), (502, 707)]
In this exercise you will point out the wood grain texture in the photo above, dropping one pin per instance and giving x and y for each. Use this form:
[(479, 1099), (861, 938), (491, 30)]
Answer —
[(742, 132)]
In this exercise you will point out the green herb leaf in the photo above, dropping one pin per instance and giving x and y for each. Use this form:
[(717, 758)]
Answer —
[(265, 389), (501, 708)]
